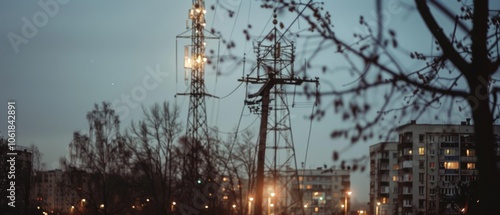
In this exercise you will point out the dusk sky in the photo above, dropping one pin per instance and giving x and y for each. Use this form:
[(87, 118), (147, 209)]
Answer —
[(85, 52)]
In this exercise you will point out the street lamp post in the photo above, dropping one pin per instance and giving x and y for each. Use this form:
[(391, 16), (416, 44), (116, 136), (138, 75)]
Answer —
[(250, 206), (269, 205), (345, 208)]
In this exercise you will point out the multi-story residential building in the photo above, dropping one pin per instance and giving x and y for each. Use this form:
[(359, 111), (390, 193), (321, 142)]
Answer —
[(383, 178), (432, 159), (50, 195), (325, 191)]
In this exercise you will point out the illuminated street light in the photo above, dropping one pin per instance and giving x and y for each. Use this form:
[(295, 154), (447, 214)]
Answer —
[(250, 205), (346, 206), (269, 205), (173, 205)]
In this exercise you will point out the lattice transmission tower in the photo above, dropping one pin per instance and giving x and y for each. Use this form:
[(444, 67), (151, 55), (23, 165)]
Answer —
[(277, 190), (197, 163)]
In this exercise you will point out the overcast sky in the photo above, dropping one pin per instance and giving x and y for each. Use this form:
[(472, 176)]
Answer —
[(69, 55)]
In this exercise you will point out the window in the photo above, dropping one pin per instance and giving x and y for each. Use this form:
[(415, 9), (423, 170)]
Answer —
[(430, 138), (421, 151), (432, 165), (432, 178), (395, 178), (384, 200), (407, 203), (394, 155), (407, 177), (471, 165), (421, 177), (421, 138), (451, 165), (395, 167), (421, 165), (470, 152), (421, 190)]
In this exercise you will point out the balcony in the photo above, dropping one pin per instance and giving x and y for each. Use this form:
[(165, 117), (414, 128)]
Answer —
[(448, 171), (468, 159)]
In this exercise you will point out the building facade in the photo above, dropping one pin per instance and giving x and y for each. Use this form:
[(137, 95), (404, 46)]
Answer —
[(51, 195), (383, 178), (433, 160), (324, 191)]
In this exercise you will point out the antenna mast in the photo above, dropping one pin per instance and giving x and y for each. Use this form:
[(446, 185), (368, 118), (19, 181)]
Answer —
[(198, 166)]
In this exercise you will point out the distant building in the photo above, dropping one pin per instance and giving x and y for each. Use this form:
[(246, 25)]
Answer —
[(432, 159), (383, 178), (51, 195), (324, 191)]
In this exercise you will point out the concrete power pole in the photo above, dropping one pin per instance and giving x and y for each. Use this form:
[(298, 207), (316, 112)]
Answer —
[(275, 56)]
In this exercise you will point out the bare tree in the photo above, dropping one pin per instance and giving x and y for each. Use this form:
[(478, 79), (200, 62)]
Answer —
[(458, 76), (237, 163), (152, 140), (99, 172)]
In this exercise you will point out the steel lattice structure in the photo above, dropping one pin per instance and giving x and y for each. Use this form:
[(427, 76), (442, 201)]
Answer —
[(276, 170)]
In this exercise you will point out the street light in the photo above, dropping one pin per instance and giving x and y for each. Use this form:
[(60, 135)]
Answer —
[(250, 205), (377, 208), (346, 206), (269, 203)]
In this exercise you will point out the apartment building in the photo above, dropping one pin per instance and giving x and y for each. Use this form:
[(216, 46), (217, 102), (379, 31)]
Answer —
[(325, 191), (383, 178), (50, 195), (431, 160)]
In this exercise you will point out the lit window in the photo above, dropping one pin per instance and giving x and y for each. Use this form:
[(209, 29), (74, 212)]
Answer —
[(421, 151), (432, 165), (449, 152), (395, 178), (451, 165), (410, 152), (471, 165), (470, 152)]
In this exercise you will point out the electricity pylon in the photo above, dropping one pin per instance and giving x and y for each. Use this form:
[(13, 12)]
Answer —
[(277, 170), (198, 166)]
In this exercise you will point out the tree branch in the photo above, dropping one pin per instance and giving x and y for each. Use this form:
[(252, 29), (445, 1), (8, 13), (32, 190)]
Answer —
[(437, 32)]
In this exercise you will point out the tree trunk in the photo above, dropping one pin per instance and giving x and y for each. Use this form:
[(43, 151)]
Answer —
[(489, 186)]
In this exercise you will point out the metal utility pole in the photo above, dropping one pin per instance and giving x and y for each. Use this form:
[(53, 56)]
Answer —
[(275, 56), (198, 166)]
